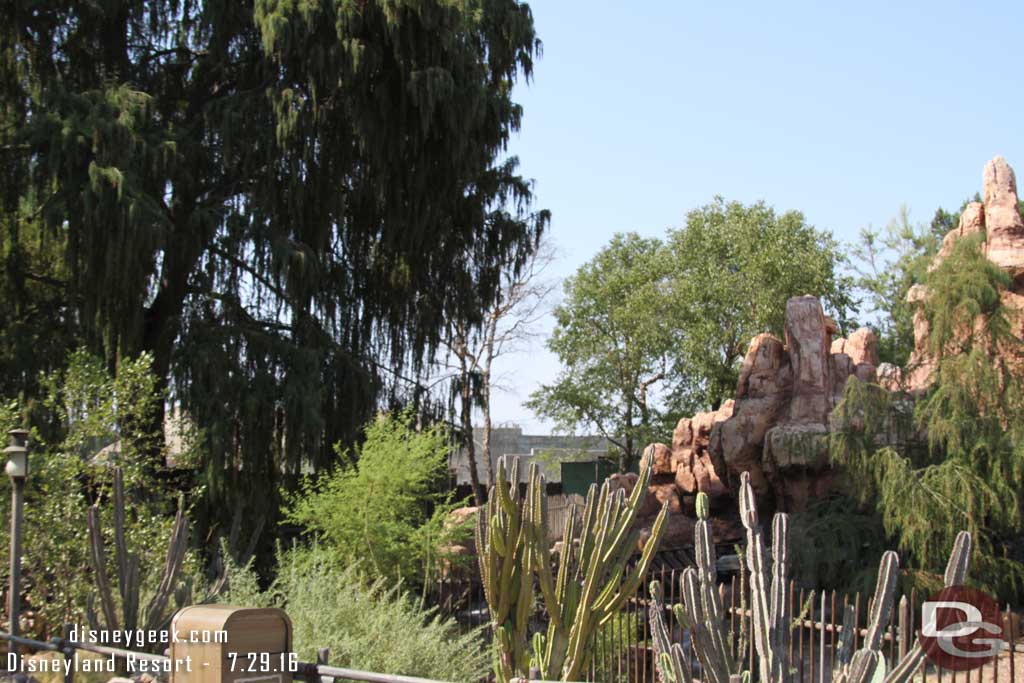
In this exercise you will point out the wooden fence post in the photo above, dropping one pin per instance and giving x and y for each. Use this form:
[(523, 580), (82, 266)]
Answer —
[(68, 652), (904, 625), (323, 654)]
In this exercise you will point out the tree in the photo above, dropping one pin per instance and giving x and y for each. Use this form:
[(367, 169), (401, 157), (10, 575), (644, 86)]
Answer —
[(281, 203), (732, 268), (888, 263), (509, 321), (95, 421), (955, 459), (613, 339)]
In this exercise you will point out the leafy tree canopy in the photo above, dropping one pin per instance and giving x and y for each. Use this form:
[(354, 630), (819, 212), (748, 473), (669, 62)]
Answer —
[(954, 459), (281, 202), (731, 269), (613, 339)]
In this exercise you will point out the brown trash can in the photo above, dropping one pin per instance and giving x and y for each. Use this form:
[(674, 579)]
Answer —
[(227, 644)]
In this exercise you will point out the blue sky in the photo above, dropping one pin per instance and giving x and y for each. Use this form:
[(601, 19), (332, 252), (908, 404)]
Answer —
[(639, 112)]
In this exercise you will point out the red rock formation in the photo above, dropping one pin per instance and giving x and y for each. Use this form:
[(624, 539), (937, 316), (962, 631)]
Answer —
[(998, 217), (777, 427), (1003, 225)]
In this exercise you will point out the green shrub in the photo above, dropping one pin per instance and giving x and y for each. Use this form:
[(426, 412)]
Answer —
[(382, 506), (366, 624), (83, 409)]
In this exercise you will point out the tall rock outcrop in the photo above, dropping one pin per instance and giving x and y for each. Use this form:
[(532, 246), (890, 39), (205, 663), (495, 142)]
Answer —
[(777, 426), (998, 217)]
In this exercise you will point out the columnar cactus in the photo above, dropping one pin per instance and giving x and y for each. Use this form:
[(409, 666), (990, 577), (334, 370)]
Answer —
[(867, 663), (588, 588), (505, 573), (155, 613), (702, 612)]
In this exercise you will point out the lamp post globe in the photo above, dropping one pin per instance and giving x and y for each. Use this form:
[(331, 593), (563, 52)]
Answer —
[(17, 454), (17, 470)]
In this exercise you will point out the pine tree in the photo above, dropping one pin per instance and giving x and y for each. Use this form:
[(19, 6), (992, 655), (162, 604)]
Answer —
[(282, 202), (954, 458)]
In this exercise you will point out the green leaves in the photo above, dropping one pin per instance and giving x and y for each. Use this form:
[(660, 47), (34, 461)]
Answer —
[(957, 461), (732, 269), (381, 507)]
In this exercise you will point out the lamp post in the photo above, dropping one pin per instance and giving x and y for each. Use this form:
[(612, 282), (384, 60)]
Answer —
[(17, 470)]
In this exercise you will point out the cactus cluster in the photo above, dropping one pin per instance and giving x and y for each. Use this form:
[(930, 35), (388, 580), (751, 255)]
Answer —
[(586, 587), (701, 611)]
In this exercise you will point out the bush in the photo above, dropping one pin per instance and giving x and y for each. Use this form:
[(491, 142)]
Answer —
[(382, 506), (82, 410), (367, 625)]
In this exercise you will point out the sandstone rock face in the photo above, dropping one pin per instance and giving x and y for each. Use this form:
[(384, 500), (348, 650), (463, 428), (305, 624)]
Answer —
[(660, 455), (862, 347), (1003, 225), (999, 218), (777, 427), (972, 220), (808, 344), (693, 469)]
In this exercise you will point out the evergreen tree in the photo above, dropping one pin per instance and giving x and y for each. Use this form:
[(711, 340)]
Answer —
[(953, 459), (281, 202)]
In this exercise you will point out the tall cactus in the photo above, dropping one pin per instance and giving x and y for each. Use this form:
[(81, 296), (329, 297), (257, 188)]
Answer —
[(772, 622), (588, 587), (155, 613), (504, 571)]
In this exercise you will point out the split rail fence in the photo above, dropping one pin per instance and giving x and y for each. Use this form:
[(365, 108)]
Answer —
[(624, 654)]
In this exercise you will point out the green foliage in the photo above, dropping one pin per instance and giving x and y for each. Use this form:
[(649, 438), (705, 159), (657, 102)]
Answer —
[(366, 624), (381, 506), (888, 263), (957, 460), (613, 339), (87, 409), (839, 541), (644, 315), (731, 269), (284, 203)]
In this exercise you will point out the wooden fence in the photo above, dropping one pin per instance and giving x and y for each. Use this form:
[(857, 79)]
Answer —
[(623, 652)]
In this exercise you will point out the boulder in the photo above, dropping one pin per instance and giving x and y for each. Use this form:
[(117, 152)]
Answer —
[(862, 347), (660, 456)]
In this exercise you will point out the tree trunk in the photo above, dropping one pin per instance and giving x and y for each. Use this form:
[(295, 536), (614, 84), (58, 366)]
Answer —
[(485, 405), (162, 319), (467, 431), (626, 458)]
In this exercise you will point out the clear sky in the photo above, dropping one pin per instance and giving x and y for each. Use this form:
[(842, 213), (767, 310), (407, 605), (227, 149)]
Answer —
[(641, 111)]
